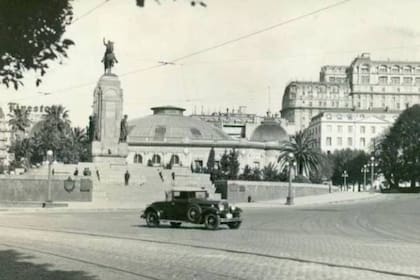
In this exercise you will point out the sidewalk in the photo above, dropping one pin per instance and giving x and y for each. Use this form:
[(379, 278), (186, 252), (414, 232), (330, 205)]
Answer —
[(329, 198), (337, 197)]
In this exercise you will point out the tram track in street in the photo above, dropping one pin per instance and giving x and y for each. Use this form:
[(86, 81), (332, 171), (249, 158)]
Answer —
[(195, 246)]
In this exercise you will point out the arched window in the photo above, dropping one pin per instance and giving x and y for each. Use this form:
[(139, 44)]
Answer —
[(156, 159), (175, 160), (395, 69), (383, 69), (138, 158), (407, 69)]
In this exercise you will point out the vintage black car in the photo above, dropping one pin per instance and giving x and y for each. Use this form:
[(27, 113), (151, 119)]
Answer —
[(192, 206)]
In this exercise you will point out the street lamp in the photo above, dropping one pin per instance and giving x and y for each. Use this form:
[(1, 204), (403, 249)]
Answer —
[(50, 160), (290, 163), (372, 164), (364, 170), (345, 175)]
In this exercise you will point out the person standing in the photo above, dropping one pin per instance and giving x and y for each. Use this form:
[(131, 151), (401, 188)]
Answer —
[(76, 172), (98, 175), (126, 178), (160, 174), (173, 178)]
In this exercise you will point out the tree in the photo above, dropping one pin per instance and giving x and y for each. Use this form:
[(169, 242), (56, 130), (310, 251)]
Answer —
[(301, 145), (325, 170), (210, 161), (31, 34), (233, 168), (270, 173), (399, 150), (19, 121)]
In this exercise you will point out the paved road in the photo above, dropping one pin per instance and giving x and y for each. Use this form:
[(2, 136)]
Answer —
[(366, 240)]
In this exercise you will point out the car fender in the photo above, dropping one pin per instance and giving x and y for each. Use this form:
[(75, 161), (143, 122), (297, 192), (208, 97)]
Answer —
[(151, 208), (210, 210)]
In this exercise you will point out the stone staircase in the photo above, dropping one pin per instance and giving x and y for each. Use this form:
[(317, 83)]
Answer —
[(145, 185)]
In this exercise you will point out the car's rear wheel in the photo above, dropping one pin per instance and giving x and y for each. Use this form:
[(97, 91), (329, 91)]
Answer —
[(212, 221), (152, 218), (194, 213), (234, 225), (175, 224)]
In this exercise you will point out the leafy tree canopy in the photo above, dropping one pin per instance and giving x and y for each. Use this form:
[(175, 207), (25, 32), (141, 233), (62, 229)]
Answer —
[(31, 36)]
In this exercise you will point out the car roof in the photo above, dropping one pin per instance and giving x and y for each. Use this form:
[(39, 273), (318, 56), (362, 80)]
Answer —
[(188, 189)]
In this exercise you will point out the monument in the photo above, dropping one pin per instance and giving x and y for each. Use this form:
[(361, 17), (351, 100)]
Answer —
[(108, 128)]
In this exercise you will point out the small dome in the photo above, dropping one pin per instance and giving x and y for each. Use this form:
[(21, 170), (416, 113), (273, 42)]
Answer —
[(168, 124), (269, 131)]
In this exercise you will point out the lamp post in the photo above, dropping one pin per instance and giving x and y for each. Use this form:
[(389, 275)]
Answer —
[(364, 171), (290, 163), (372, 166), (345, 175), (50, 160)]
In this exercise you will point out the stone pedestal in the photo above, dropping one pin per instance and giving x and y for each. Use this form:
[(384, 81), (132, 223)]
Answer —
[(107, 111)]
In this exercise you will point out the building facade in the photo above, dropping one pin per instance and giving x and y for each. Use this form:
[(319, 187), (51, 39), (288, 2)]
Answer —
[(365, 84), (358, 130)]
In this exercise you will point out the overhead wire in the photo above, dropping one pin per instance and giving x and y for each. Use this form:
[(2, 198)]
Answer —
[(217, 46)]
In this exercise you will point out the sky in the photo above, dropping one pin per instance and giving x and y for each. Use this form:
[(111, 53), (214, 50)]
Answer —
[(251, 72)]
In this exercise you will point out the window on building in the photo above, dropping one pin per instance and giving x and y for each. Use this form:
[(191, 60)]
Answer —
[(383, 69), (329, 128), (407, 69), (256, 164), (383, 80), (365, 68), (138, 158), (395, 80), (362, 129), (407, 80), (395, 69), (340, 128), (418, 69), (332, 79), (156, 159), (350, 129), (398, 105), (349, 141), (417, 81), (373, 129), (362, 142), (365, 79), (328, 141), (339, 141)]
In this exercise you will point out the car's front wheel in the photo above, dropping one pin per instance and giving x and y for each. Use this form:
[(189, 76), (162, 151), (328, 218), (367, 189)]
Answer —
[(212, 221), (234, 225), (152, 219)]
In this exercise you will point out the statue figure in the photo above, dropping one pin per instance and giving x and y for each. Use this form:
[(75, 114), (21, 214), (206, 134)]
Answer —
[(109, 56), (123, 130)]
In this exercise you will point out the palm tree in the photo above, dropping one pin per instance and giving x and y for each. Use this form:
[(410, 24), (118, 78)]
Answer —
[(302, 146), (19, 121), (57, 116)]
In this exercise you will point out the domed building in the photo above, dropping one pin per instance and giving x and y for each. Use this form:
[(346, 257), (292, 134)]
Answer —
[(167, 136), (269, 131)]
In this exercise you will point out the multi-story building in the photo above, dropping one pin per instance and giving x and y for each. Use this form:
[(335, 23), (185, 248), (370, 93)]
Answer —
[(341, 129), (365, 85), (303, 100)]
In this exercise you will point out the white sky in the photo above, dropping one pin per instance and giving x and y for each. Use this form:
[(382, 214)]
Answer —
[(234, 75)]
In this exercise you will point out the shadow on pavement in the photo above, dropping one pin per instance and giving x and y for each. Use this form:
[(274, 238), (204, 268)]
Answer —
[(320, 210), (182, 227), (14, 265)]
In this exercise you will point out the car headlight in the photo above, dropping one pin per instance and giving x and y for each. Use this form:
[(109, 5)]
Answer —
[(233, 207), (221, 207)]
